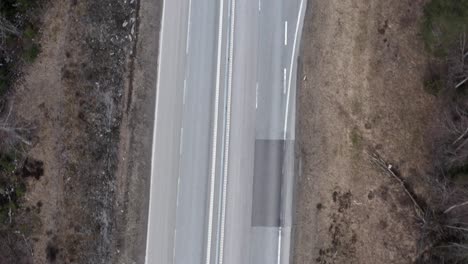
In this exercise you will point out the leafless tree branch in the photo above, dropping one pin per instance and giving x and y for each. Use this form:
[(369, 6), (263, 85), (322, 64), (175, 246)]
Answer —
[(455, 206), (6, 28), (388, 169)]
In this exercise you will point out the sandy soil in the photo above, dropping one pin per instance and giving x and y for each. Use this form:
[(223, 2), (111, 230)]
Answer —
[(363, 65)]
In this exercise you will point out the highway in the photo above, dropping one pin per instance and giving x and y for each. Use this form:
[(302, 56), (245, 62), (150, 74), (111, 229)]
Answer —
[(222, 164)]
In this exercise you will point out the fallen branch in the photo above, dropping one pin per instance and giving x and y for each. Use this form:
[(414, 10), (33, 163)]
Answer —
[(457, 228), (461, 145), (28, 245), (461, 136), (461, 83), (388, 169), (458, 245), (455, 206), (14, 133), (6, 28), (12, 130)]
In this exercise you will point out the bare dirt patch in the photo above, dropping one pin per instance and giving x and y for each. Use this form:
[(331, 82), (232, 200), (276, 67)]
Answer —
[(363, 67)]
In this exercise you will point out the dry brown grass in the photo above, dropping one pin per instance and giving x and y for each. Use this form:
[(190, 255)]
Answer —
[(365, 64)]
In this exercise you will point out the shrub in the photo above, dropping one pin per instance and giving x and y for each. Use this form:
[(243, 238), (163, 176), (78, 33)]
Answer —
[(433, 86), (7, 162), (30, 32), (444, 22), (444, 222), (3, 80), (31, 53)]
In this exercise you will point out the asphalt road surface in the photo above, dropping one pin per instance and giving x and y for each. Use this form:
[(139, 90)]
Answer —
[(222, 166)]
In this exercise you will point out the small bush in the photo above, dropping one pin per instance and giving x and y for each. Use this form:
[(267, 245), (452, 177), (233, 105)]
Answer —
[(4, 80), (444, 22), (7, 163), (20, 190), (30, 32), (356, 138), (24, 5), (433, 86), (19, 44), (11, 8), (31, 53), (3, 214)]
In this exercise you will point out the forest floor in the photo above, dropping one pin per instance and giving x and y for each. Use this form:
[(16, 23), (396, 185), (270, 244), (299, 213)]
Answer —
[(89, 95)]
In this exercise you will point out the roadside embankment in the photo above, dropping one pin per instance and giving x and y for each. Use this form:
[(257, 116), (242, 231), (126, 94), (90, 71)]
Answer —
[(363, 68)]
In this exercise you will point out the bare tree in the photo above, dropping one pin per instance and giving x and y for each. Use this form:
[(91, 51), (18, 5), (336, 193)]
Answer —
[(443, 223), (458, 65), (6, 28), (11, 132)]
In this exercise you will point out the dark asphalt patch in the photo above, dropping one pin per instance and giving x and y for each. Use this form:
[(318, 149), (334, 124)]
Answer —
[(267, 182)]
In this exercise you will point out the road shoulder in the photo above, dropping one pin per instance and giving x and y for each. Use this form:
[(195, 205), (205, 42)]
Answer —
[(134, 172)]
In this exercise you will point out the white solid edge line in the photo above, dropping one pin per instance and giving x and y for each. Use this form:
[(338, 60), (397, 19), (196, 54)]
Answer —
[(158, 83), (215, 137), (187, 44), (291, 68), (228, 129), (279, 245)]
